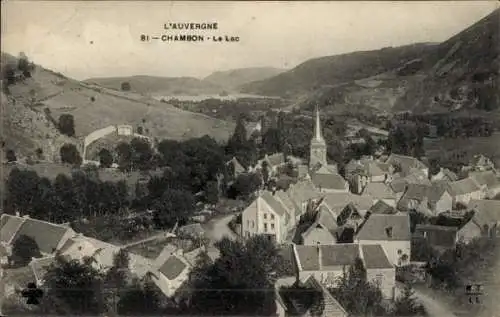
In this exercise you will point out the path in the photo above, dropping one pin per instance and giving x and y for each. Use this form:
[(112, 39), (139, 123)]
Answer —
[(161, 235), (218, 228), (433, 307)]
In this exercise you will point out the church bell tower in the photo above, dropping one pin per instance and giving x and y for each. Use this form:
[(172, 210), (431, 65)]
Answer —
[(318, 145)]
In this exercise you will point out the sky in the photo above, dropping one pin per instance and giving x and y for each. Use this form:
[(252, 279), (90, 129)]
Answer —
[(102, 39)]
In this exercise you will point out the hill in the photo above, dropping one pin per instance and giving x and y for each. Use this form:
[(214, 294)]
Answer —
[(34, 104), (460, 74), (334, 70), (153, 85), (232, 79)]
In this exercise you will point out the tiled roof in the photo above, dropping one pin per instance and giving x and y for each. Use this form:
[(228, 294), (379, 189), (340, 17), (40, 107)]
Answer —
[(386, 228), (40, 266), (416, 192), (398, 185), (47, 235), (339, 254), (464, 186), (374, 257), (172, 268), (287, 202), (487, 178), (9, 226), (332, 307), (337, 201), (379, 191), (302, 191), (405, 162), (436, 191), (273, 203), (308, 257), (382, 207), (486, 211), (276, 159), (329, 181)]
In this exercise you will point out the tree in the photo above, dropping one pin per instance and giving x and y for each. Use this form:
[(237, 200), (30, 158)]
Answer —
[(24, 249), (407, 305), (211, 192), (76, 285), (69, 154), (125, 86), (174, 206), (118, 274), (105, 158), (142, 153), (356, 294), (10, 156), (244, 275), (22, 189), (9, 74), (140, 299), (124, 151), (23, 65), (265, 172), (67, 124), (247, 184)]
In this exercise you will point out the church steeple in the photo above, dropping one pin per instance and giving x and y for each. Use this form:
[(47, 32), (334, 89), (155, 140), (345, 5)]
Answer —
[(318, 136), (317, 153)]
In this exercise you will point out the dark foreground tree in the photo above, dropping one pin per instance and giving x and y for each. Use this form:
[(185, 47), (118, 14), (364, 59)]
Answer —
[(407, 305), (142, 298), (174, 206), (24, 249), (74, 288), (243, 276)]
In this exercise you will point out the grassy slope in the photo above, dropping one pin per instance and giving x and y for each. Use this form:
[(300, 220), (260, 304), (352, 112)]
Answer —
[(65, 95), (474, 51), (334, 70), (160, 85)]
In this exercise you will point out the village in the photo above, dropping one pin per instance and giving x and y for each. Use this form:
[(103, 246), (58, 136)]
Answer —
[(322, 223)]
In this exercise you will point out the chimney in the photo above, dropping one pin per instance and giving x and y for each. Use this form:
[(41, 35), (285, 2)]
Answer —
[(320, 256)]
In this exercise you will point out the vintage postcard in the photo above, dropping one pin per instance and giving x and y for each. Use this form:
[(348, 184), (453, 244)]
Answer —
[(250, 158)]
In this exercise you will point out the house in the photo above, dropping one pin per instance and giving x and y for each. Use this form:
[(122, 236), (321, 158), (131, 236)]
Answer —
[(266, 215), (434, 199), (40, 267), (464, 190), (362, 172), (486, 215), (322, 230), (406, 164), (235, 168), (170, 271), (481, 163), (336, 202), (301, 194), (49, 237), (293, 301), (274, 162), (380, 192), (392, 232), (328, 262), (444, 174), (488, 181), (441, 238), (330, 183), (382, 208)]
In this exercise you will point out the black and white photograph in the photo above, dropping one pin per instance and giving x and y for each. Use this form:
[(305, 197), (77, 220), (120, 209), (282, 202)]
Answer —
[(250, 158)]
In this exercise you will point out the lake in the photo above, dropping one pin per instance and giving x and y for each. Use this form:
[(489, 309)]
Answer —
[(214, 96)]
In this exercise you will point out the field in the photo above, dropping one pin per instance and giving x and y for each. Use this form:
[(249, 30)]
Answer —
[(489, 146)]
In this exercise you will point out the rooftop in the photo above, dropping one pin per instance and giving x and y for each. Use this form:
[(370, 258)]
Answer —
[(329, 181), (385, 228), (173, 267), (374, 257)]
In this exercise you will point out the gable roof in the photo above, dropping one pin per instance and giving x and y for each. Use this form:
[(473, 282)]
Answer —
[(273, 203), (405, 162), (276, 159), (329, 181), (41, 266), (381, 207), (415, 192), (485, 211), (47, 235), (238, 168), (302, 191), (377, 227), (374, 257), (379, 191), (337, 201), (463, 186), (172, 267), (287, 202), (9, 225), (487, 178)]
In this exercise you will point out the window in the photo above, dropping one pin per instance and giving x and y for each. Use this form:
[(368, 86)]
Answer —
[(265, 216), (265, 227), (272, 226), (272, 217), (253, 224), (248, 223), (399, 252)]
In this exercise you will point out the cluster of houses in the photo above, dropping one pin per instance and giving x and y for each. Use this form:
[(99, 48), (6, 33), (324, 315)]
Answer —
[(323, 221), (328, 220)]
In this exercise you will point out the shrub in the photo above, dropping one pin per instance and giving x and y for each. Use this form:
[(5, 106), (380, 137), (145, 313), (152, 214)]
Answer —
[(10, 156), (24, 249), (105, 158), (125, 86), (66, 124), (69, 154)]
